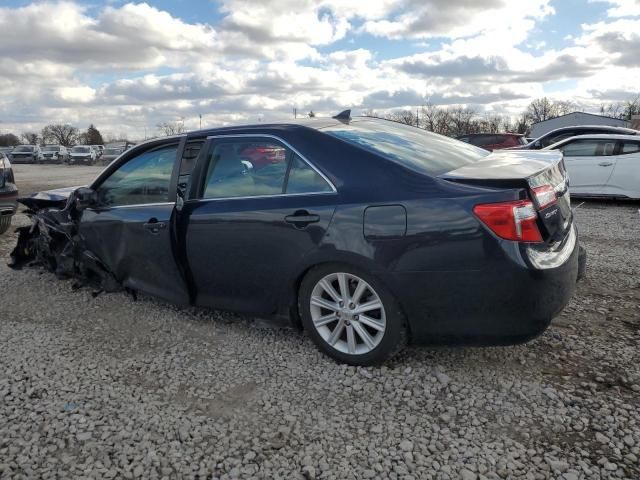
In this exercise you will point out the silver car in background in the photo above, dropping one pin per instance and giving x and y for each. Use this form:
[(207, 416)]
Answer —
[(55, 153)]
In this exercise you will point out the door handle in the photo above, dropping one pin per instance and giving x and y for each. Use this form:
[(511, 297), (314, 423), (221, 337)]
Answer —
[(605, 164), (153, 226), (302, 218)]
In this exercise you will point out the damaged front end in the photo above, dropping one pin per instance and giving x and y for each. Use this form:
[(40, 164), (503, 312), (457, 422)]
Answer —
[(53, 240)]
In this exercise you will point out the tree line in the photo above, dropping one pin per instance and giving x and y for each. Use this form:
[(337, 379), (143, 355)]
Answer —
[(460, 120), (59, 134)]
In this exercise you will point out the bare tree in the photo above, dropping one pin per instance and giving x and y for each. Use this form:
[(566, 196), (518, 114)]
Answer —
[(30, 138), (631, 108), (171, 128), (369, 113), (403, 116), (63, 134), (541, 109), (461, 120)]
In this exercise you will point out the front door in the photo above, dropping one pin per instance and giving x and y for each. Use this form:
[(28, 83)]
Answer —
[(589, 163), (131, 228), (261, 209)]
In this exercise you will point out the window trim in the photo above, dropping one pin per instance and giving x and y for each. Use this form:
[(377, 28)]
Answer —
[(213, 138)]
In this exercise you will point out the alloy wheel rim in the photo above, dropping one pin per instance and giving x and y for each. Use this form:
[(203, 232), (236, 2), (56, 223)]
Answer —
[(348, 313)]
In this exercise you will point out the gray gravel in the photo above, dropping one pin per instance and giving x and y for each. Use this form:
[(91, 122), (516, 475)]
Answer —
[(108, 387)]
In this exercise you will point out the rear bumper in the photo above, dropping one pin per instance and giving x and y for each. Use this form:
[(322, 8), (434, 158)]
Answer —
[(511, 303)]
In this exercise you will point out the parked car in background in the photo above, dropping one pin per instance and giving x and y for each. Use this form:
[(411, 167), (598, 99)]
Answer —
[(26, 154), (110, 154), (558, 134), (99, 149), (55, 153), (494, 141), (8, 193), (373, 233), (82, 155), (6, 150), (602, 165)]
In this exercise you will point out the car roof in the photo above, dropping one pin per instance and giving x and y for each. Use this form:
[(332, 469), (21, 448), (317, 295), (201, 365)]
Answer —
[(630, 131), (510, 134), (604, 136)]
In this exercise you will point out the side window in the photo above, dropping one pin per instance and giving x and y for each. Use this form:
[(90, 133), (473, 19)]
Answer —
[(245, 168), (250, 168), (143, 179), (556, 138), (630, 147), (304, 179), (589, 148)]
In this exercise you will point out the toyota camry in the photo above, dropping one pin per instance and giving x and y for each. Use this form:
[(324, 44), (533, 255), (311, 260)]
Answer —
[(367, 233)]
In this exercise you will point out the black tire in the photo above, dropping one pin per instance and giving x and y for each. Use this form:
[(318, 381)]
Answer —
[(395, 334), (5, 223)]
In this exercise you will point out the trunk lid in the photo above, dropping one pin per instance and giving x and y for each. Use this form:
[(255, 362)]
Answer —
[(533, 170)]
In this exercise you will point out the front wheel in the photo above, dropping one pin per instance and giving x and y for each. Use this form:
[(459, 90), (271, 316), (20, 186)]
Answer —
[(5, 223), (350, 315)]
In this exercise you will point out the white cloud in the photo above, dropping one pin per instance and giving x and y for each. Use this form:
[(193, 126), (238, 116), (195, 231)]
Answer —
[(109, 65), (621, 8)]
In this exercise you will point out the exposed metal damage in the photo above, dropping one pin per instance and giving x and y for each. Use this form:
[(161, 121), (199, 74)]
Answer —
[(53, 242)]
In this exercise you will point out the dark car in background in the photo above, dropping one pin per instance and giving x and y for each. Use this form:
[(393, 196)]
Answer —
[(8, 193), (110, 154), (55, 153), (26, 154), (558, 134), (494, 141), (369, 233)]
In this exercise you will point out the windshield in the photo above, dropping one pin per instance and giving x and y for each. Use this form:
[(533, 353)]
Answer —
[(23, 148), (80, 150), (422, 151), (51, 148), (112, 151)]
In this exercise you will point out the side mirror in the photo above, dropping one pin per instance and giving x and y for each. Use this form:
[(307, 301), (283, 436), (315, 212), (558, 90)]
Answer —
[(85, 198)]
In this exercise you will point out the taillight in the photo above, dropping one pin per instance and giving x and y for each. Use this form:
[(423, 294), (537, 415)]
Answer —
[(510, 220), (544, 196)]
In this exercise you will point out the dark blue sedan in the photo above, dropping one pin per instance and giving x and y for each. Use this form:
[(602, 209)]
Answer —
[(368, 233)]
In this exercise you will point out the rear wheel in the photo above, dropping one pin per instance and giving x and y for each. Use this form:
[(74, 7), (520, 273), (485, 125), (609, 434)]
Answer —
[(350, 315), (5, 223)]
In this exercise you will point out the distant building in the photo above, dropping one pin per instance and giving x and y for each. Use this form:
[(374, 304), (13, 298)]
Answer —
[(572, 119)]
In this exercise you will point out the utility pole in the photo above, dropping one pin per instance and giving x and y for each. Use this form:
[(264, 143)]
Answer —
[(200, 121), (295, 112)]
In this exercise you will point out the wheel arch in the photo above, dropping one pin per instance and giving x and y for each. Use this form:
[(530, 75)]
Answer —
[(337, 258)]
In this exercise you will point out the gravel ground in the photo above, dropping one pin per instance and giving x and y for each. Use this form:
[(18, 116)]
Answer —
[(108, 387)]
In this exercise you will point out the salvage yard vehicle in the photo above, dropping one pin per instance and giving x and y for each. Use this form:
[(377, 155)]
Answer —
[(82, 154), (55, 153), (554, 136), (494, 141), (367, 233), (8, 193), (602, 165), (26, 154), (110, 154)]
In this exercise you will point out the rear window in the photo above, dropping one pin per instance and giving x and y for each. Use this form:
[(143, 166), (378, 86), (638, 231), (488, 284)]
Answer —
[(51, 148), (24, 148), (422, 151), (80, 149)]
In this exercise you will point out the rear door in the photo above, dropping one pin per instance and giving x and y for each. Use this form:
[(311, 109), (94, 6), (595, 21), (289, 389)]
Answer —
[(590, 163), (625, 179), (131, 230), (259, 209)]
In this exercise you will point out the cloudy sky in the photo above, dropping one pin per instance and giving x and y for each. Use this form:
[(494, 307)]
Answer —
[(127, 66)]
